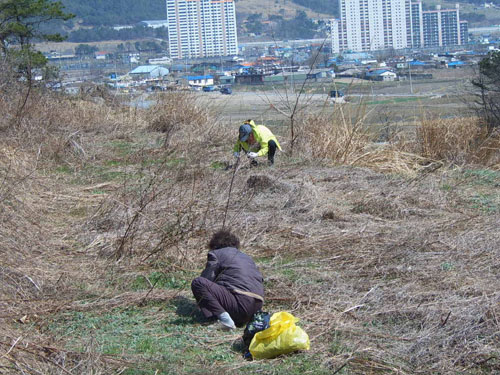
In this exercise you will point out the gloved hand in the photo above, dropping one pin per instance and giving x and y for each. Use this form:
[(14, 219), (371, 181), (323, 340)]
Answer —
[(236, 154), (252, 155)]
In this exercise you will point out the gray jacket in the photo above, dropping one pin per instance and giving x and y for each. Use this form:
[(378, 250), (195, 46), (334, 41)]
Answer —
[(233, 269)]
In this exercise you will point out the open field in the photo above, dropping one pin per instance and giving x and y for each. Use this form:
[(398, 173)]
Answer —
[(385, 102), (388, 254)]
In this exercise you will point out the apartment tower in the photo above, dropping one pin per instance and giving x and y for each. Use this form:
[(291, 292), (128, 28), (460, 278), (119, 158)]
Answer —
[(201, 28), (435, 28), (367, 25)]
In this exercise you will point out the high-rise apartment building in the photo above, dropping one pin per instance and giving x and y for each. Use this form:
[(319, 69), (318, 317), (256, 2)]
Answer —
[(367, 25), (464, 32), (417, 25), (201, 28), (334, 35), (441, 27)]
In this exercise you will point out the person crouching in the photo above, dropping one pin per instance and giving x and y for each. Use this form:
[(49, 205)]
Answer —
[(231, 286), (256, 140)]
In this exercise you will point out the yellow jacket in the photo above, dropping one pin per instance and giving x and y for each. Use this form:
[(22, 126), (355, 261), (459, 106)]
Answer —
[(262, 135)]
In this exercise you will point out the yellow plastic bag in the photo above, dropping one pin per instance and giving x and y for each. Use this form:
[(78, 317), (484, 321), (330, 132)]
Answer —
[(282, 337)]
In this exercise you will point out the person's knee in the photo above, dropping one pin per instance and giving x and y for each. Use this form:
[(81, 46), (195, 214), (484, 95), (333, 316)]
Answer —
[(197, 284)]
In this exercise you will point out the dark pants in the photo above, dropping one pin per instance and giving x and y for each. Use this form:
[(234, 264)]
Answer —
[(213, 299), (272, 150)]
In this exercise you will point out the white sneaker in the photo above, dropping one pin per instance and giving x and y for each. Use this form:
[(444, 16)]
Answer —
[(226, 321)]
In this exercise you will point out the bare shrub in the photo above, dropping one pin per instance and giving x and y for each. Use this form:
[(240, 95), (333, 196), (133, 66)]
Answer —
[(334, 137), (176, 109), (337, 136), (456, 141), (159, 217), (55, 127)]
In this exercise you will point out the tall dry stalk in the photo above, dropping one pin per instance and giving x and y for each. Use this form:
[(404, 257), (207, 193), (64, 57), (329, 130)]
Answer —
[(175, 112), (456, 141), (335, 135)]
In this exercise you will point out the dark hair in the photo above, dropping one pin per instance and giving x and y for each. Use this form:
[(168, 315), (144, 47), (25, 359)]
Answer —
[(223, 238)]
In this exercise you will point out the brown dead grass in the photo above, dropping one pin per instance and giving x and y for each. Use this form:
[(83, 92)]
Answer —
[(343, 138), (388, 274), (459, 141)]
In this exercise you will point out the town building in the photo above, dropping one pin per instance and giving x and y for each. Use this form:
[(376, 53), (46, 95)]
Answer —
[(201, 28), (148, 72), (203, 80), (368, 25), (381, 75), (154, 24), (441, 27), (417, 23), (464, 32)]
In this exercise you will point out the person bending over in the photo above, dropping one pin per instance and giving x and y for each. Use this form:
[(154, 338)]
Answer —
[(258, 138), (231, 286)]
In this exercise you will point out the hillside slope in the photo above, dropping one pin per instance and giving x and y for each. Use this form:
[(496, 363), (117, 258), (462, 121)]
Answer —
[(285, 8), (107, 211), (124, 12)]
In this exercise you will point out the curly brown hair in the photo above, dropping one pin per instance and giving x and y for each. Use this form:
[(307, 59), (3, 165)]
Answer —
[(223, 238)]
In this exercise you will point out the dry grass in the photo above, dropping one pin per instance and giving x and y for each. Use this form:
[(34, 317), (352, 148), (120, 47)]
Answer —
[(344, 138), (176, 110), (388, 274), (338, 136), (458, 141)]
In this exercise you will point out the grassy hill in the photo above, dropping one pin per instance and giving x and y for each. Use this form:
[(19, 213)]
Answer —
[(285, 8), (124, 12), (388, 253)]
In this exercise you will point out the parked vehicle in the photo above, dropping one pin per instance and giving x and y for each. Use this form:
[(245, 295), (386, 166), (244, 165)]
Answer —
[(208, 88), (226, 91), (336, 94)]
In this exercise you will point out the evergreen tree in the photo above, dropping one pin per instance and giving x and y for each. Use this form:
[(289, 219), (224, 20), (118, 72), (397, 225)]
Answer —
[(488, 95), (21, 24)]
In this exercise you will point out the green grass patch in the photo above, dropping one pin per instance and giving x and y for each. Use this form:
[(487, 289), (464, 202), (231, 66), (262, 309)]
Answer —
[(99, 192), (65, 169), (487, 203), (174, 162), (98, 174), (166, 339), (169, 338), (161, 280), (337, 344), (123, 148), (447, 266), (483, 177), (446, 187), (115, 163), (219, 165), (393, 101)]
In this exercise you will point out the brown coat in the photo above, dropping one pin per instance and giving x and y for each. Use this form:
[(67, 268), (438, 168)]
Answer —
[(233, 269)]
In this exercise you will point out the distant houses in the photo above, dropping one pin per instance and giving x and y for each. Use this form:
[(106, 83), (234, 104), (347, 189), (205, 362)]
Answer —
[(200, 81), (165, 60), (148, 72), (154, 24), (381, 75)]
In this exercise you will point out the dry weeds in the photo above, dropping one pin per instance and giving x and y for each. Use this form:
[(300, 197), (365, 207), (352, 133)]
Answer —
[(389, 274)]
